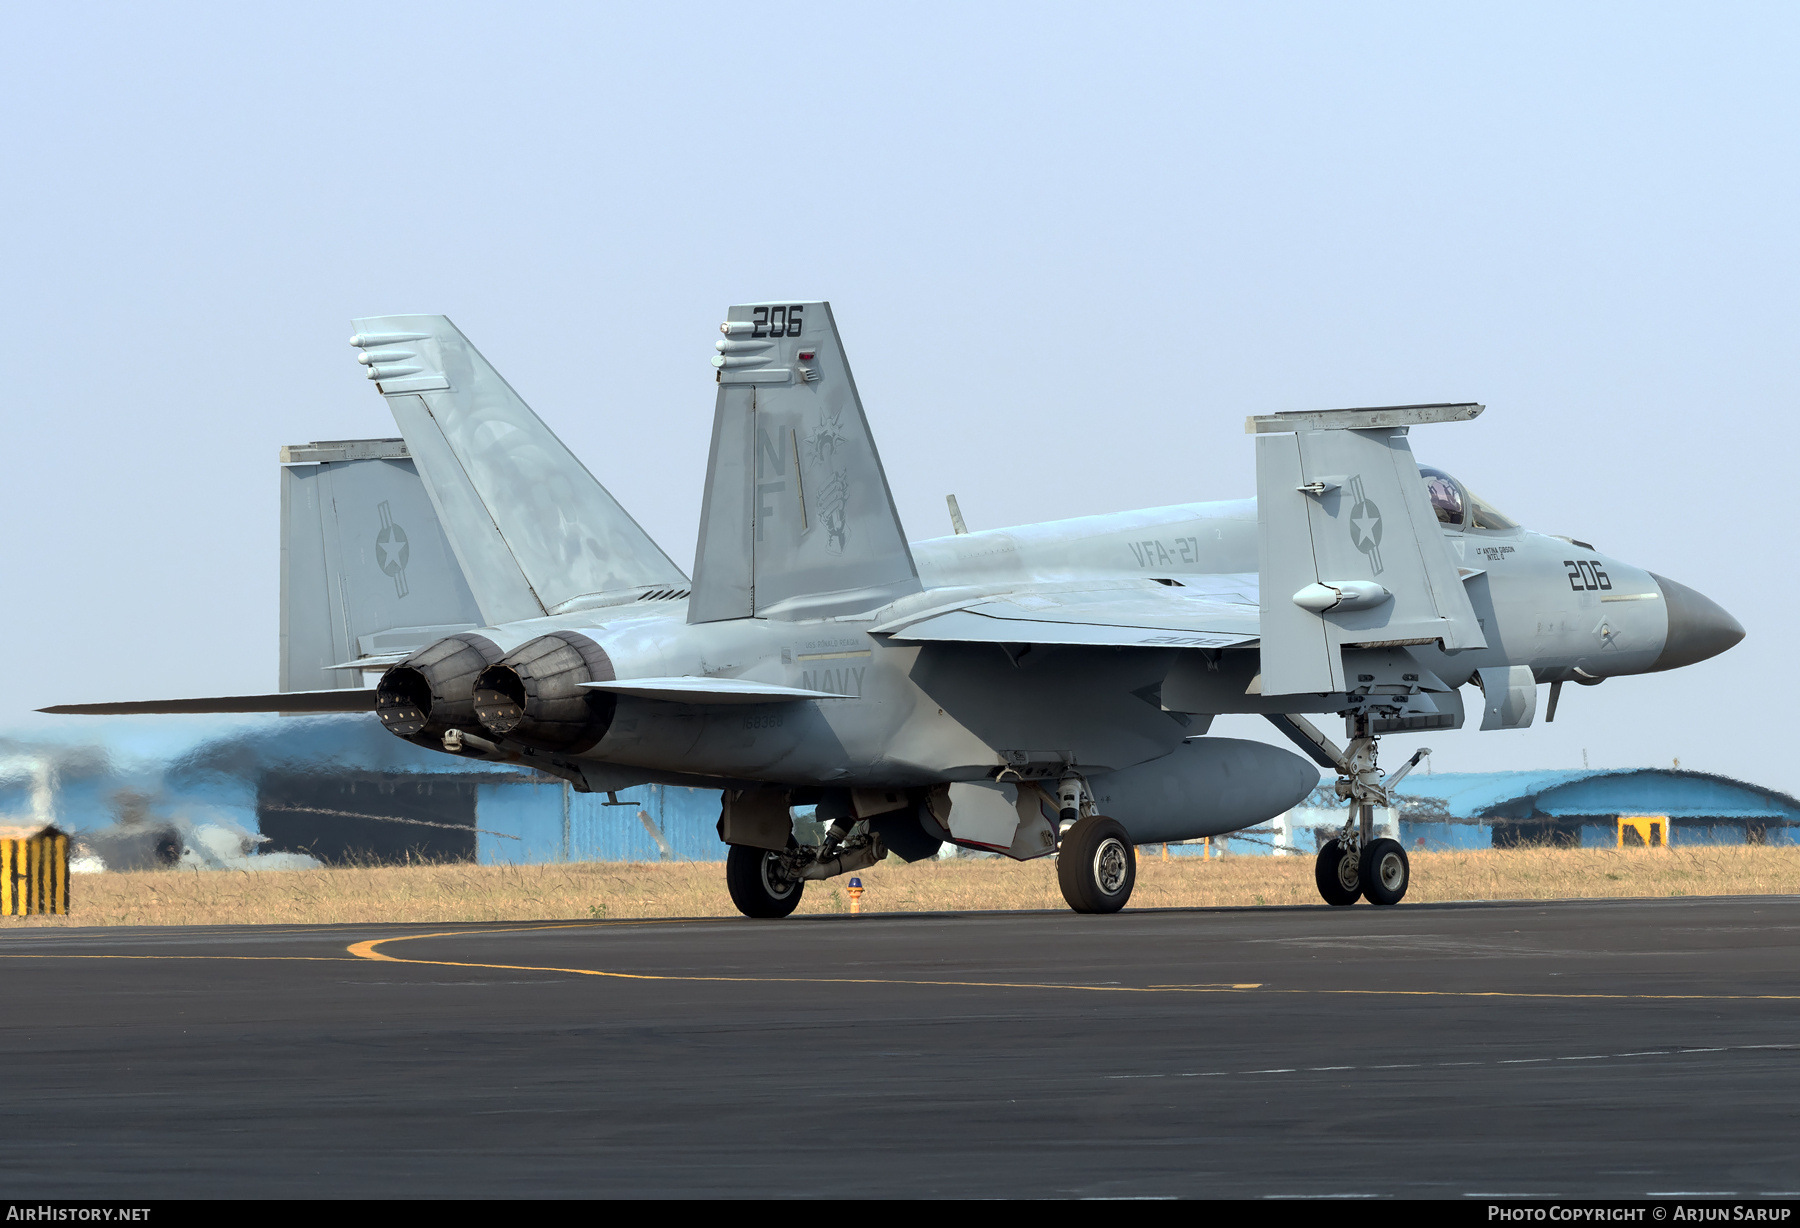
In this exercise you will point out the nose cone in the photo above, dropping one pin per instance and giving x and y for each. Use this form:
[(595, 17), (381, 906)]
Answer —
[(1698, 628)]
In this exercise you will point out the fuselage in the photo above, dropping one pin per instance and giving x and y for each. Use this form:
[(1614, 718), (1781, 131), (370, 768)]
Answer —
[(916, 715)]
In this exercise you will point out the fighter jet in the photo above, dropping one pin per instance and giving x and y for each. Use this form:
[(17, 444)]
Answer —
[(1035, 691)]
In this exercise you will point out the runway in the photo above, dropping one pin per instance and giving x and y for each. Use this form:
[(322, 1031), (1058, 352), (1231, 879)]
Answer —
[(1597, 1048)]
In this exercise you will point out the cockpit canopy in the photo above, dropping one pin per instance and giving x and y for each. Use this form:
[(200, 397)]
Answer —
[(1457, 506)]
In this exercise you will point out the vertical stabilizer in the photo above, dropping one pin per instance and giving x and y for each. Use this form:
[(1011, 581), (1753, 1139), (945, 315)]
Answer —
[(797, 519), (366, 571), (533, 530)]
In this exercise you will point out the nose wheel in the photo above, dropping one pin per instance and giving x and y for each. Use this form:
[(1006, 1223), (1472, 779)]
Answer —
[(1378, 872), (1355, 864), (1338, 873), (1385, 872)]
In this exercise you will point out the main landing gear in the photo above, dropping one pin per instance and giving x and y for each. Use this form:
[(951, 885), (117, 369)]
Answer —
[(760, 882), (1096, 865), (1355, 865), (767, 882)]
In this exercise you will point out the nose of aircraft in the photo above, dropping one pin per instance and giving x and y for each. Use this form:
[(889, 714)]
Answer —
[(1698, 627)]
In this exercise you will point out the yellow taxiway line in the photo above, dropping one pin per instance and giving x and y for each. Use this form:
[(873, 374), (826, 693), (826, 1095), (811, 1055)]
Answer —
[(367, 950)]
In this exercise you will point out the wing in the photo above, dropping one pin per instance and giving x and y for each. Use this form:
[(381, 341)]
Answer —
[(287, 701), (1349, 548), (1204, 612)]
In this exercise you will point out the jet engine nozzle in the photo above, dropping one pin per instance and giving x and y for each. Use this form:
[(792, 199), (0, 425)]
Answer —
[(433, 691), (535, 695)]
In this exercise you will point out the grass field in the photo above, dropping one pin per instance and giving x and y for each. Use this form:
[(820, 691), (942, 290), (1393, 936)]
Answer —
[(697, 889)]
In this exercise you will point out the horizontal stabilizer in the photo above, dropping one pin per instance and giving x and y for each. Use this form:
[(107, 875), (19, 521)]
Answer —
[(532, 528), (373, 663), (710, 690), (360, 700)]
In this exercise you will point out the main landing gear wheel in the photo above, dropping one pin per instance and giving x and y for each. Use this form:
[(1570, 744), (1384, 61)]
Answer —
[(1096, 865), (757, 885), (1339, 873), (1385, 872)]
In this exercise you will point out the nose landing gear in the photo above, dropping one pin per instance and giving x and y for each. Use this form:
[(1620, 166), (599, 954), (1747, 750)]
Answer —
[(1355, 865)]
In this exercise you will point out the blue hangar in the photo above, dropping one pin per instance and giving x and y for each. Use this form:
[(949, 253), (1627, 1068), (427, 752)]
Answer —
[(1585, 808)]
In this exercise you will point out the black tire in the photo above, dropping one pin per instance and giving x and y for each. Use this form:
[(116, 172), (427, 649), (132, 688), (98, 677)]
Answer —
[(1096, 865), (1385, 872), (748, 880), (1334, 867)]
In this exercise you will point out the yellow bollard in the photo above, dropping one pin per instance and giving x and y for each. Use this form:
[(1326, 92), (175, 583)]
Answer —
[(856, 890), (34, 871)]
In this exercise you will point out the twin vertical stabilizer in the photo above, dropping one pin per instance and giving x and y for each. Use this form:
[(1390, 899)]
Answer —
[(798, 520), (532, 529)]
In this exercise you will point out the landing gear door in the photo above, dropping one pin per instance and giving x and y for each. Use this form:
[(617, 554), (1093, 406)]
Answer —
[(1000, 818)]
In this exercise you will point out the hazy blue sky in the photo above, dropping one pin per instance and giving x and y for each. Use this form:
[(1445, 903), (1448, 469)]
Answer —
[(1070, 248)]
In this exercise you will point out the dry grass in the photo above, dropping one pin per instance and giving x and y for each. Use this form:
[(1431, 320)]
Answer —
[(697, 889)]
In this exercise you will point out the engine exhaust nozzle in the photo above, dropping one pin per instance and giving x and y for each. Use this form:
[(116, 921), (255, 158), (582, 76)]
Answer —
[(433, 691), (535, 694)]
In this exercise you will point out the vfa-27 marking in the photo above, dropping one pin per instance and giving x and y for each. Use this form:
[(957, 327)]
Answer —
[(1180, 550)]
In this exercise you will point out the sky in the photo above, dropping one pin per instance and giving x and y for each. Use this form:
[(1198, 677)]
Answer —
[(1069, 248)]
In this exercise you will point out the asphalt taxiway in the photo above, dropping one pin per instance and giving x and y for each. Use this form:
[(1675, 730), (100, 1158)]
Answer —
[(1597, 1048)]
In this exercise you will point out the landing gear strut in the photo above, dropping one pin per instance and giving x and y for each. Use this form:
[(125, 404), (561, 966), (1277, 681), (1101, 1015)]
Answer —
[(1355, 864)]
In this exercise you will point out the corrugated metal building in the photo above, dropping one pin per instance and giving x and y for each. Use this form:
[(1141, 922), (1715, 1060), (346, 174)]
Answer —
[(150, 791), (1569, 808), (532, 821)]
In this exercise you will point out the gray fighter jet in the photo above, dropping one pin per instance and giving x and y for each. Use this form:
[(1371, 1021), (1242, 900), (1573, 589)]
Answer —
[(1033, 691)]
